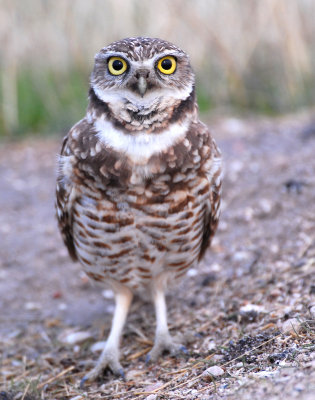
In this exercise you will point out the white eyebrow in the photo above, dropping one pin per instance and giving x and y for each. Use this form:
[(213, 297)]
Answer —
[(142, 63)]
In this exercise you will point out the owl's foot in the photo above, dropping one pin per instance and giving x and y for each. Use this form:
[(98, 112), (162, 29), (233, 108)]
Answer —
[(164, 342), (108, 359)]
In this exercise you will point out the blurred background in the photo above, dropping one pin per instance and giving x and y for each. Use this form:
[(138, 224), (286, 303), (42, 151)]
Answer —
[(248, 55)]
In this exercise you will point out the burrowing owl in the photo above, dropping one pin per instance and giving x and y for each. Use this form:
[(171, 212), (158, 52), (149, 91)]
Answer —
[(139, 178)]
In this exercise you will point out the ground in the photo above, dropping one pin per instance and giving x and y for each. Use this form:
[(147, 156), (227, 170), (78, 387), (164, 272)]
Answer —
[(249, 308)]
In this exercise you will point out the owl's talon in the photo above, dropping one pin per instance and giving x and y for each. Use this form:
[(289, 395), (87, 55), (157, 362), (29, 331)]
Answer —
[(147, 359), (108, 360), (183, 349), (82, 382), (165, 343), (121, 374)]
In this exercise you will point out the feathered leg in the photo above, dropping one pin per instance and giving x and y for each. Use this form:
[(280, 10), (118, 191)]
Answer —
[(163, 339), (110, 355)]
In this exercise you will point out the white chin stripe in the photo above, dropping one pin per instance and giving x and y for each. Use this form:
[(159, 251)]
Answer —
[(141, 146), (112, 96)]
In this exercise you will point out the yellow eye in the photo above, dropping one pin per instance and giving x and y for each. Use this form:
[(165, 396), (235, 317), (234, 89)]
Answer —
[(167, 65), (117, 65)]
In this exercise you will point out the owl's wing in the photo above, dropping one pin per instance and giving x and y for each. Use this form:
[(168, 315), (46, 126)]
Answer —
[(65, 195), (212, 212)]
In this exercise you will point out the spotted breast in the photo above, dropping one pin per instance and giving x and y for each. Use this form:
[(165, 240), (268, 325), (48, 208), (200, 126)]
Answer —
[(131, 221)]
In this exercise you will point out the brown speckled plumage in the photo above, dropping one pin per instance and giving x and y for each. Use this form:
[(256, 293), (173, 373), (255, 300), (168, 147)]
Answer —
[(139, 182)]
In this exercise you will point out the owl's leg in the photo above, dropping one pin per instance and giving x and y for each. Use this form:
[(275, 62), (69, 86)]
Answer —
[(110, 354), (163, 339)]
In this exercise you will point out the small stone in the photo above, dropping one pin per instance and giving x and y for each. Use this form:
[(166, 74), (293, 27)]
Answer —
[(3, 274), (215, 267), (31, 306), (108, 294), (192, 272), (153, 386), (299, 388), (250, 312), (292, 326), (211, 372), (265, 205), (51, 322), (97, 346), (14, 334), (211, 346), (76, 348), (263, 374), (234, 126), (248, 214), (133, 374), (312, 311), (75, 337), (151, 397), (241, 256), (217, 357), (248, 308)]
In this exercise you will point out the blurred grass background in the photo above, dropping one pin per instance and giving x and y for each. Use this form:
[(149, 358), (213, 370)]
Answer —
[(248, 55)]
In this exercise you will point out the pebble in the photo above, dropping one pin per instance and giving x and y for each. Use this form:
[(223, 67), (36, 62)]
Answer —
[(75, 337), (97, 346), (263, 374), (217, 357), (14, 334), (312, 311), (151, 397), (213, 371), (215, 267), (192, 272), (249, 308), (241, 255), (234, 126), (153, 386), (31, 306), (108, 294), (291, 325), (211, 346), (133, 374), (265, 205), (3, 274)]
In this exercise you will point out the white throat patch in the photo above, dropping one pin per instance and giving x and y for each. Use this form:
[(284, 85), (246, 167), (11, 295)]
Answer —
[(141, 146), (120, 95)]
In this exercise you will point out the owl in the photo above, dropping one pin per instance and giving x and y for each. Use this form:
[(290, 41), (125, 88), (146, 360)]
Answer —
[(139, 182)]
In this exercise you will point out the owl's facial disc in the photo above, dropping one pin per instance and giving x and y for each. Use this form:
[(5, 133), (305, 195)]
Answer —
[(139, 78)]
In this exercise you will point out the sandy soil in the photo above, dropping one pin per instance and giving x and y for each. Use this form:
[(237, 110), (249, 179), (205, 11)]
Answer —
[(248, 309)]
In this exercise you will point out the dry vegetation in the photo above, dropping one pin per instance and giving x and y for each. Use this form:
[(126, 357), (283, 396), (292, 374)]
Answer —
[(249, 54), (248, 310)]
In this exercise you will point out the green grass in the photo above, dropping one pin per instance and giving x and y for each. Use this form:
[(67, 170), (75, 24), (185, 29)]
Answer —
[(48, 102)]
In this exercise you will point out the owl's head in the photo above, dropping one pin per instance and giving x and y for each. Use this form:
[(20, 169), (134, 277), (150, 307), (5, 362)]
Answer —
[(141, 76)]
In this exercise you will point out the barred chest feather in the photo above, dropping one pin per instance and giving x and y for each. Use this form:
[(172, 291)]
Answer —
[(141, 209)]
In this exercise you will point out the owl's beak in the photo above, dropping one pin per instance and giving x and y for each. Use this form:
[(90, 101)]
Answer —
[(142, 85)]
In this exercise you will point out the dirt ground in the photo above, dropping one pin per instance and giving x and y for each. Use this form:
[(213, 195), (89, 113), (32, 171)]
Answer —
[(248, 309)]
